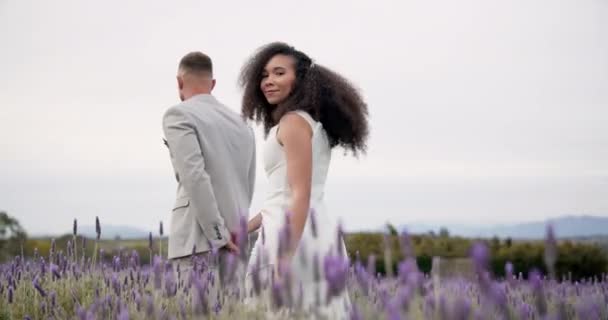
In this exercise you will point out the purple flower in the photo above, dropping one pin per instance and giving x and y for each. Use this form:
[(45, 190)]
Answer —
[(461, 309), (539, 296), (284, 239), (392, 311), (354, 313), (480, 256), (10, 294), (123, 315), (150, 246), (157, 269), (525, 311), (53, 296), (38, 287), (170, 285), (336, 271), (407, 267), (277, 294), (406, 244), (363, 278), (200, 302), (149, 306), (97, 227)]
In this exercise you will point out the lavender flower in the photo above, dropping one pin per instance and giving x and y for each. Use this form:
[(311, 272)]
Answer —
[(336, 271), (150, 243), (407, 249), (355, 314), (124, 314), (157, 267), (38, 287), (149, 305), (539, 296), (170, 285), (480, 256), (200, 302), (277, 294), (53, 296), (97, 228)]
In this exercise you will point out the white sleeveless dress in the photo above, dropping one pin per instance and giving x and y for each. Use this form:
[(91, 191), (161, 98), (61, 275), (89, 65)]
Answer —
[(320, 239)]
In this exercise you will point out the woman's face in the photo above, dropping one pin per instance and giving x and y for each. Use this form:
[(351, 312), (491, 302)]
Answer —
[(278, 78)]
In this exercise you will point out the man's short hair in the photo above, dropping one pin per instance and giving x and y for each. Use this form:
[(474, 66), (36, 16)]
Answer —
[(196, 62)]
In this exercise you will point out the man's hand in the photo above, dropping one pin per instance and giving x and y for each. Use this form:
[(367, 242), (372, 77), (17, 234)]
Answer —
[(232, 247)]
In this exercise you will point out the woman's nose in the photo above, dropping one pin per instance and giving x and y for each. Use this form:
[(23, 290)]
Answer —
[(268, 81)]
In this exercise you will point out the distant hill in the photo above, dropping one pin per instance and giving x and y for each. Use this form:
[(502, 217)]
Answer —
[(565, 227), (112, 231)]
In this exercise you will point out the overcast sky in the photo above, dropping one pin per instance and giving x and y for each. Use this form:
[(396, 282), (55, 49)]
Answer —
[(481, 110)]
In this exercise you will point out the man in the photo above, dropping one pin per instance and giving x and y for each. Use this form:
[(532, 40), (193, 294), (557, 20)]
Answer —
[(213, 154)]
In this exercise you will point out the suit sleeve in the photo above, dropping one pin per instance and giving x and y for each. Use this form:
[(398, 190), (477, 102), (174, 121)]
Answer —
[(252, 169), (189, 163)]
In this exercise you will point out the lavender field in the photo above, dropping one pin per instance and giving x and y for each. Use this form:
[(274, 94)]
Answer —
[(68, 284)]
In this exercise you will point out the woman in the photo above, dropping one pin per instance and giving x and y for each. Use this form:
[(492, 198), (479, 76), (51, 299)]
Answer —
[(306, 110)]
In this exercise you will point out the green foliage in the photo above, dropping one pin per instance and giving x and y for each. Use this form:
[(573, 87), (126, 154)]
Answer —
[(575, 260), (12, 236)]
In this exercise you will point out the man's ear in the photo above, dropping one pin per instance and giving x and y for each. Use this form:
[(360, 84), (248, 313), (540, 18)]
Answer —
[(212, 84), (180, 83)]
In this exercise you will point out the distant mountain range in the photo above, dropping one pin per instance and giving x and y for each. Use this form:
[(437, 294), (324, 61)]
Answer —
[(564, 227)]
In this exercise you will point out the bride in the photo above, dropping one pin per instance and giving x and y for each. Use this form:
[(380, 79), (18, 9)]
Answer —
[(306, 110)]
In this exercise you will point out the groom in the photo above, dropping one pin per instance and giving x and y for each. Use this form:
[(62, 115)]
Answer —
[(213, 154)]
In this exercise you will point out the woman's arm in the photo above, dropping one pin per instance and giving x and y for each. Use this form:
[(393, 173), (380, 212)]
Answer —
[(295, 134), (254, 223)]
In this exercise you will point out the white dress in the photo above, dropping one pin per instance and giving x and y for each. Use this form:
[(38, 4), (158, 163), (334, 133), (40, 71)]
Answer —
[(317, 240)]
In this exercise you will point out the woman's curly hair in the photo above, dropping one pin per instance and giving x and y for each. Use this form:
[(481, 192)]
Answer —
[(324, 94)]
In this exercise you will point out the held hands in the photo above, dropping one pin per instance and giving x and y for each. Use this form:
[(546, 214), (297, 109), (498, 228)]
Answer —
[(255, 223), (232, 246)]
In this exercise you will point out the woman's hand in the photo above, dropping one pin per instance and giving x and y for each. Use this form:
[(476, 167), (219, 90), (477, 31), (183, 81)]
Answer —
[(254, 223)]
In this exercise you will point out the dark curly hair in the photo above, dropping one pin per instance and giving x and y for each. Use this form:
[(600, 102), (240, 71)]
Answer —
[(324, 94)]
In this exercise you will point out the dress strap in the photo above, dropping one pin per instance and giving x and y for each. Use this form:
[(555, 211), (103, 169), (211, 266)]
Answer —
[(303, 114), (307, 117)]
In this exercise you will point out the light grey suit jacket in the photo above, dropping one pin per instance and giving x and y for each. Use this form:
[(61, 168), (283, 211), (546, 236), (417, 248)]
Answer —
[(213, 154)]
